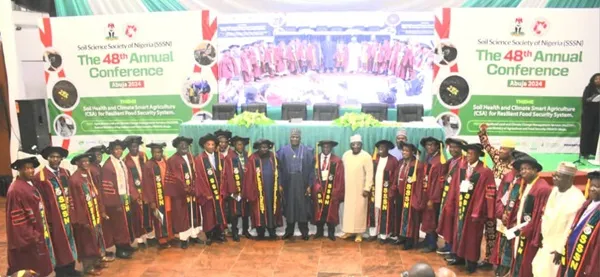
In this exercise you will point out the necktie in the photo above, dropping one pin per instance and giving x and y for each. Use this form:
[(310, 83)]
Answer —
[(325, 161)]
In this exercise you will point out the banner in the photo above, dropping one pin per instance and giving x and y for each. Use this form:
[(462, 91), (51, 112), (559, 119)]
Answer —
[(347, 58), (111, 76), (520, 71)]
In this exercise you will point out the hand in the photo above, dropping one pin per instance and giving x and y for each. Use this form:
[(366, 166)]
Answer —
[(105, 216), (483, 127), (505, 219), (365, 194), (210, 197), (557, 257), (280, 189), (236, 195), (430, 205)]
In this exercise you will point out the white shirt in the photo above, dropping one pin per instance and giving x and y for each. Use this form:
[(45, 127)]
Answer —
[(56, 172), (325, 160), (187, 161), (121, 172), (136, 161), (379, 180), (211, 159), (590, 209)]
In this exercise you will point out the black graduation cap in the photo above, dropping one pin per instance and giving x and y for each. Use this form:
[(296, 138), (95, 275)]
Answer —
[(516, 154), (424, 140), (330, 142), (260, 142), (90, 156), (233, 46), (133, 139), (179, 139), (225, 50), (113, 144), (54, 149), (409, 145), (156, 145), (235, 139), (16, 165), (594, 175), (456, 141), (475, 146), (98, 148), (526, 159), (223, 133), (389, 144), (206, 138)]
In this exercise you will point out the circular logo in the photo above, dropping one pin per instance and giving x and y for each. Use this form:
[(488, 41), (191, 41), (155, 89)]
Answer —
[(130, 30), (386, 184), (158, 178), (540, 26), (527, 218), (58, 192), (449, 179), (392, 20), (187, 176), (236, 171), (453, 92), (587, 230), (65, 95), (471, 186), (330, 178), (511, 204), (209, 172), (137, 182), (88, 198)]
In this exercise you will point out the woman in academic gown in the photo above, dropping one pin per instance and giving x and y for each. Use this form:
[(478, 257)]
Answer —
[(27, 232), (590, 117)]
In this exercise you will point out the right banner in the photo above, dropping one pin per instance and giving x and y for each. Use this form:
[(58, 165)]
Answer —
[(518, 72)]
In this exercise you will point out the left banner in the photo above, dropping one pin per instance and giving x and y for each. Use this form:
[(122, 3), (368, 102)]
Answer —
[(112, 76)]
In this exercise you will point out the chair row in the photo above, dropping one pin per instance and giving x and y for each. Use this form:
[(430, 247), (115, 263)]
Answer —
[(321, 112)]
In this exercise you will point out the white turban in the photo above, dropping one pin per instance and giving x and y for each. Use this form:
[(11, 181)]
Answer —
[(355, 138), (401, 132), (567, 168)]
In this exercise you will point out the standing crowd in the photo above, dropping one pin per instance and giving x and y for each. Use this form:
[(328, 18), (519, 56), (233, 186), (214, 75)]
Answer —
[(107, 210)]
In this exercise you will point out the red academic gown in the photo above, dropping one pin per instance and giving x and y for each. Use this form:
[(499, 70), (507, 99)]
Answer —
[(433, 185), (406, 70), (226, 68), (530, 235), (251, 192), (471, 211), (502, 252), (445, 227), (233, 183), (153, 188), (280, 66), (115, 229), (328, 194), (384, 57), (86, 216), (410, 188), (141, 220), (210, 191), (386, 215), (27, 232), (246, 66), (581, 250), (55, 192), (291, 58), (178, 177), (270, 61), (341, 56)]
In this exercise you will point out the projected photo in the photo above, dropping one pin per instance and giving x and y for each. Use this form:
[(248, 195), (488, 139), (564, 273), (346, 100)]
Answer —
[(343, 58)]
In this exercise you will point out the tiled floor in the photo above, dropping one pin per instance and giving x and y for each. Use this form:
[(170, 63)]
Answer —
[(264, 258)]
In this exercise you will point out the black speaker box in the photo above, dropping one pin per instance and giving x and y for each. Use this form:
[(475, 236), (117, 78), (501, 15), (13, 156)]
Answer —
[(33, 125)]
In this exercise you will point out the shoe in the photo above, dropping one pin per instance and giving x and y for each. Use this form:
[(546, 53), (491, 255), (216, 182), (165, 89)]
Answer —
[(408, 245), (381, 241), (273, 237), (92, 272), (331, 237), (373, 238), (184, 244), (471, 267), (247, 234), (110, 254), (142, 246), (428, 249), (220, 238), (152, 242), (236, 237), (163, 246), (107, 259), (443, 250), (318, 235), (74, 273), (100, 266), (287, 236), (456, 261), (305, 237), (358, 239), (208, 241), (123, 254), (483, 265)]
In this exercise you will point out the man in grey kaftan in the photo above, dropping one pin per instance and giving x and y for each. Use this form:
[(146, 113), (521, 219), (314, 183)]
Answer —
[(297, 177)]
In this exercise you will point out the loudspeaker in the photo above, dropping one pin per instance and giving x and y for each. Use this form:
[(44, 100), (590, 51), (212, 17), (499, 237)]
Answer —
[(33, 125)]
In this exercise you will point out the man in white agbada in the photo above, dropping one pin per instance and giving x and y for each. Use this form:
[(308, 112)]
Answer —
[(358, 178), (563, 203), (353, 55)]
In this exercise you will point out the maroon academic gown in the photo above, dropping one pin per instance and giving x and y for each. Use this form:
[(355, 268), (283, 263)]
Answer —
[(509, 182), (472, 211), (153, 189), (386, 214), (96, 172), (433, 185), (178, 177), (326, 198), (55, 192), (412, 199), (582, 256), (251, 192), (116, 228), (27, 233), (139, 213), (530, 235), (233, 183), (210, 191), (449, 199), (86, 215)]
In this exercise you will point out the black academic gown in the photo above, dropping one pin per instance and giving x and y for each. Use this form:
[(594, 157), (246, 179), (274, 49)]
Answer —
[(590, 121)]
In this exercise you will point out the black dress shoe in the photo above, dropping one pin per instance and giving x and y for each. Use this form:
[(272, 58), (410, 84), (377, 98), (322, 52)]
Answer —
[(184, 244), (305, 237), (123, 254), (456, 261), (74, 273), (236, 237), (483, 265), (247, 234), (208, 241), (196, 241), (318, 235), (471, 267), (163, 246), (287, 236), (152, 242), (428, 249), (142, 246), (331, 237)]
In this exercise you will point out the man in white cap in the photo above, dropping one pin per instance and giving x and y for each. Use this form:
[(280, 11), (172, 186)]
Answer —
[(563, 203), (358, 178), (400, 138)]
